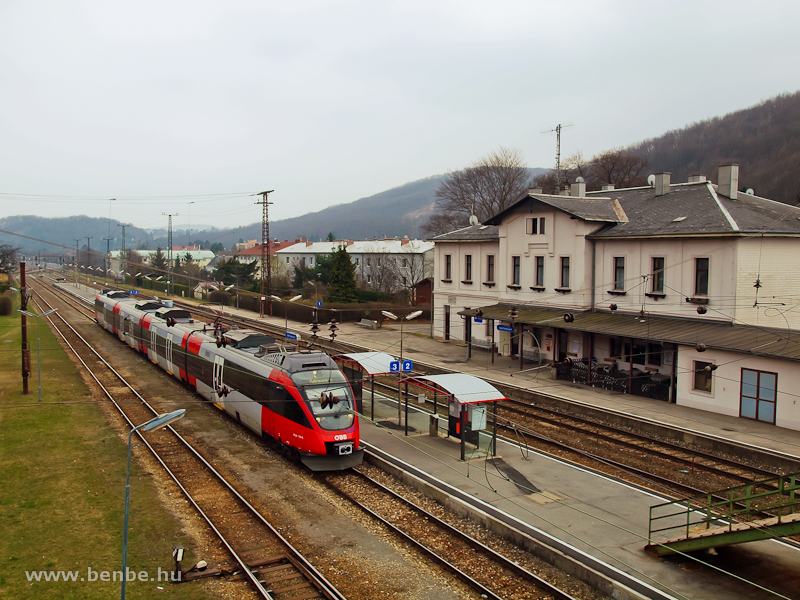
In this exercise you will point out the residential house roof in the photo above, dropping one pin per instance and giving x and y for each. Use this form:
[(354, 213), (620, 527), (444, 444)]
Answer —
[(473, 233), (360, 247)]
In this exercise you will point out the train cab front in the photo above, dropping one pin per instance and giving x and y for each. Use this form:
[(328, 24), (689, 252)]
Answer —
[(330, 401)]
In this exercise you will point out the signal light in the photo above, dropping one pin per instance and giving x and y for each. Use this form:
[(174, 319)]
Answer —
[(613, 307), (701, 310), (569, 318), (701, 347)]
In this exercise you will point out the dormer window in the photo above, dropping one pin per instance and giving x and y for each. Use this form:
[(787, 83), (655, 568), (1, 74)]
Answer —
[(534, 226)]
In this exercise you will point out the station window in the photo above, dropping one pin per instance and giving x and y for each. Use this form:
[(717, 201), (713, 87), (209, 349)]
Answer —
[(448, 266), (565, 271), (515, 270), (703, 375), (658, 274), (490, 269), (701, 276), (539, 275), (468, 267), (619, 273), (758, 396)]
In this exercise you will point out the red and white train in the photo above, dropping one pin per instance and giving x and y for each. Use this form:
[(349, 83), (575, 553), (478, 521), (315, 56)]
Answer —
[(298, 398)]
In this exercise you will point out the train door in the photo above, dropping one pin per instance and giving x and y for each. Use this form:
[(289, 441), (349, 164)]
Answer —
[(219, 399), (168, 353), (153, 338)]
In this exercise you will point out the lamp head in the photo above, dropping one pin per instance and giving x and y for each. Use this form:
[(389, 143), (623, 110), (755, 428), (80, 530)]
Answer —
[(389, 315), (164, 420)]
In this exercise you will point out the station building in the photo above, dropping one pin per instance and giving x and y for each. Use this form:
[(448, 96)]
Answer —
[(686, 293)]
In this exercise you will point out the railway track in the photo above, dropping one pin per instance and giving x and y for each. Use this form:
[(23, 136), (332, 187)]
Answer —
[(656, 464), (484, 569), (664, 466), (271, 565)]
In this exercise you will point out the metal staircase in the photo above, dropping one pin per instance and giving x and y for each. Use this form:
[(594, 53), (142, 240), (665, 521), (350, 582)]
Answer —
[(755, 511)]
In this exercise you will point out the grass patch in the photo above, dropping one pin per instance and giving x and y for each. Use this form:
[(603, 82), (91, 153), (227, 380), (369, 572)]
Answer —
[(62, 487)]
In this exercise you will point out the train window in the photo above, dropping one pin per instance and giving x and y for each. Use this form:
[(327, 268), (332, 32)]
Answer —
[(331, 407), (200, 368), (161, 346)]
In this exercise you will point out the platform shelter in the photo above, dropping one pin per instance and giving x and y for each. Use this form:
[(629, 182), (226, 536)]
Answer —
[(361, 364), (467, 397)]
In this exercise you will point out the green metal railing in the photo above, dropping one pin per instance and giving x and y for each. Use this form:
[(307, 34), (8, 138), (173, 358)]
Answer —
[(774, 498)]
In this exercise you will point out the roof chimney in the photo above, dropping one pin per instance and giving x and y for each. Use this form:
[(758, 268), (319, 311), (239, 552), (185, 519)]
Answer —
[(607, 187), (578, 188), (697, 178), (662, 184), (728, 181), (564, 192), (534, 190)]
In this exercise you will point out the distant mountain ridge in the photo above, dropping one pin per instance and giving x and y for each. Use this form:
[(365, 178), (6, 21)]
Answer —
[(65, 230), (764, 140)]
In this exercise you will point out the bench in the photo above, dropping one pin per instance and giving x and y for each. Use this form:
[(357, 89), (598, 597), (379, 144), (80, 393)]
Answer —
[(368, 323), (481, 343)]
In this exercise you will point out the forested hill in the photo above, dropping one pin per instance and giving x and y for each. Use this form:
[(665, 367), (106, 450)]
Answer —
[(764, 140), (64, 231)]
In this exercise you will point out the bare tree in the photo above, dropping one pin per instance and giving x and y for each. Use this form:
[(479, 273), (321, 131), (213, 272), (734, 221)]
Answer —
[(8, 257), (613, 166), (413, 266), (379, 270), (485, 188)]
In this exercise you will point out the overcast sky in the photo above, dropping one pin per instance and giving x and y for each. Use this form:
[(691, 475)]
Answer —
[(163, 103)]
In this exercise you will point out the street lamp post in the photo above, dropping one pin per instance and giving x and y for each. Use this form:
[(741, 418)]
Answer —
[(38, 348), (394, 317), (316, 305), (151, 425), (286, 311), (408, 317)]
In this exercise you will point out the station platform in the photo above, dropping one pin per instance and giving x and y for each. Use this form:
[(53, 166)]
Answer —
[(596, 520)]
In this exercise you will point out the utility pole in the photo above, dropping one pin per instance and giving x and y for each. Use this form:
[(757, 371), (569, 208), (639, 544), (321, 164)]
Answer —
[(88, 252), (107, 261), (265, 262), (169, 252), (76, 261), (190, 224), (123, 253), (26, 351), (558, 129)]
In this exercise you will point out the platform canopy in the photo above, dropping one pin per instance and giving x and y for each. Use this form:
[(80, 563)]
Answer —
[(372, 363), (467, 389)]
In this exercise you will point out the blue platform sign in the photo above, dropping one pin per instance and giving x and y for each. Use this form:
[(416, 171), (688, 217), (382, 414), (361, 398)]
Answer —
[(292, 336), (408, 366), (477, 320), (504, 328), (133, 292), (319, 303), (394, 366)]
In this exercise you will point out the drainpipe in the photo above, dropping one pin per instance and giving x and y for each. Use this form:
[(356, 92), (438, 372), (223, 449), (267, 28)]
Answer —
[(594, 270)]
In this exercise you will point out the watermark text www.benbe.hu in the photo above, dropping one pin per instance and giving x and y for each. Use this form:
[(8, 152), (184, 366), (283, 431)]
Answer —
[(92, 575)]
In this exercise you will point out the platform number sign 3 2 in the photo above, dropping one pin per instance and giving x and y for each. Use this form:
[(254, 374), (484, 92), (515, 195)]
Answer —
[(396, 365)]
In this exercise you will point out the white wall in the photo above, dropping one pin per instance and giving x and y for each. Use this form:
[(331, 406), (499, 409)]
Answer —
[(726, 384)]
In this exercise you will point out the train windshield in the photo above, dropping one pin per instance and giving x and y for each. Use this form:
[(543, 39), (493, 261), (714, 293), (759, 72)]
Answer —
[(328, 396)]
